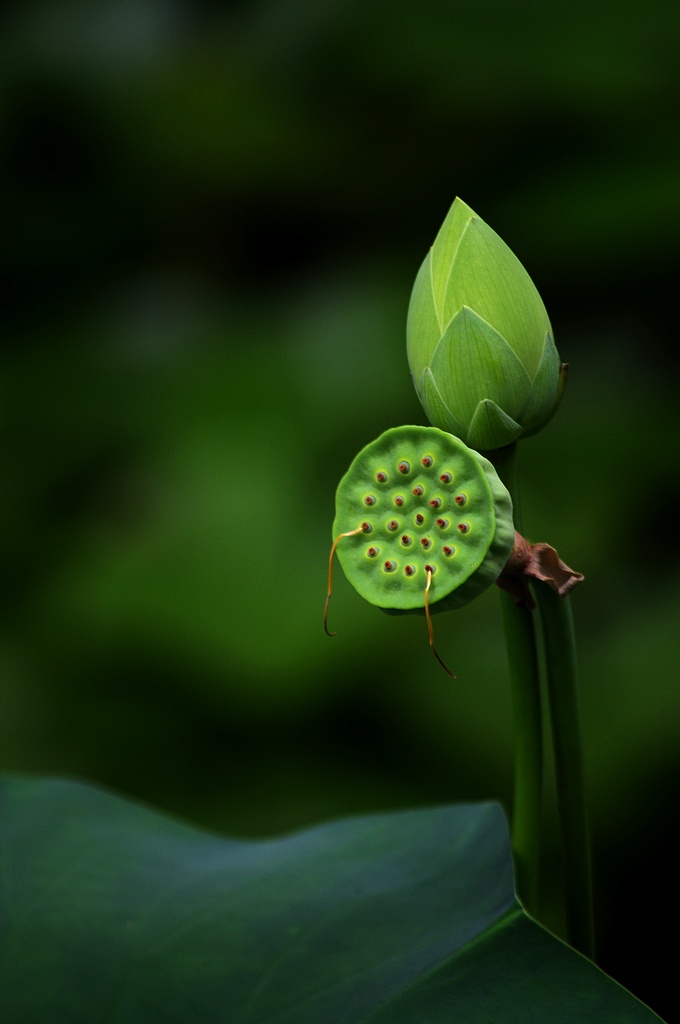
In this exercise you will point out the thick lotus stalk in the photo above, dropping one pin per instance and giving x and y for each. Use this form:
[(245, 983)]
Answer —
[(479, 342)]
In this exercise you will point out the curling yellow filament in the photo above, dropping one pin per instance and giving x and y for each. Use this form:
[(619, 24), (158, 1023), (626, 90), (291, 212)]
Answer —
[(350, 533), (430, 631)]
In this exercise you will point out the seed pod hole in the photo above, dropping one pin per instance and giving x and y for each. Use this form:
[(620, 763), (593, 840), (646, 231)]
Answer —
[(446, 478), (448, 550), (418, 491), (435, 502), (389, 566), (370, 499), (420, 519), (406, 540), (403, 466), (372, 552), (426, 542), (393, 525), (442, 523), (381, 476), (464, 527), (460, 499), (427, 461), (431, 568), (410, 570), (366, 527), (399, 500)]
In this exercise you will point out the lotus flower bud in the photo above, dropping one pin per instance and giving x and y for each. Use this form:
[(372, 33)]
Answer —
[(479, 341)]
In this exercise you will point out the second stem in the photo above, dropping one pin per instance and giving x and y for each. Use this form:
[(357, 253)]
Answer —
[(520, 641)]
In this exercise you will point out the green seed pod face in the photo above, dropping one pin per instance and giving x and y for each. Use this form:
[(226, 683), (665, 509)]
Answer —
[(422, 499), (479, 341)]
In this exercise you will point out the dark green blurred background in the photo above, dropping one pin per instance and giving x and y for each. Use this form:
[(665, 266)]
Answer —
[(211, 222)]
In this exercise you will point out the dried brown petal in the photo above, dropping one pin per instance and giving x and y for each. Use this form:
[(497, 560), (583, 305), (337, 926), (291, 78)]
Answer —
[(529, 562)]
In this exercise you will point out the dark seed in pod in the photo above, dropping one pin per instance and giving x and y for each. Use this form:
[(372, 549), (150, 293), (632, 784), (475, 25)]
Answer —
[(406, 540), (366, 527), (436, 502), (427, 461), (426, 542), (389, 566), (448, 551), (420, 519), (409, 570), (442, 523), (403, 467), (418, 491), (372, 552), (431, 568), (446, 478), (393, 525), (381, 477), (463, 527), (399, 501), (369, 500), (460, 499)]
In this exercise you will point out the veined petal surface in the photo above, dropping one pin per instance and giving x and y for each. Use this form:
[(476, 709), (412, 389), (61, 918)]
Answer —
[(422, 324), (438, 412), (487, 276), (473, 362), (543, 393), (443, 255), (491, 428)]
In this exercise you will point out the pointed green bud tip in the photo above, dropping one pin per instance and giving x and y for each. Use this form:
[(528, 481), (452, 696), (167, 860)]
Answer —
[(479, 341), (416, 505)]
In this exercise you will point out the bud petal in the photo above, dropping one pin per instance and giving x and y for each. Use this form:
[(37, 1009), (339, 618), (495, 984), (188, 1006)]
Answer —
[(444, 252), (436, 408), (543, 400), (487, 276), (475, 359), (423, 325), (491, 428)]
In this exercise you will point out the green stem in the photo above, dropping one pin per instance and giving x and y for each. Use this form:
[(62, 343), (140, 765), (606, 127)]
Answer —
[(561, 678), (528, 754), (520, 641)]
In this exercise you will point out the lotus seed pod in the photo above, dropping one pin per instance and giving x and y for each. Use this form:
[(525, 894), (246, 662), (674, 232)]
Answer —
[(479, 342), (418, 503)]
